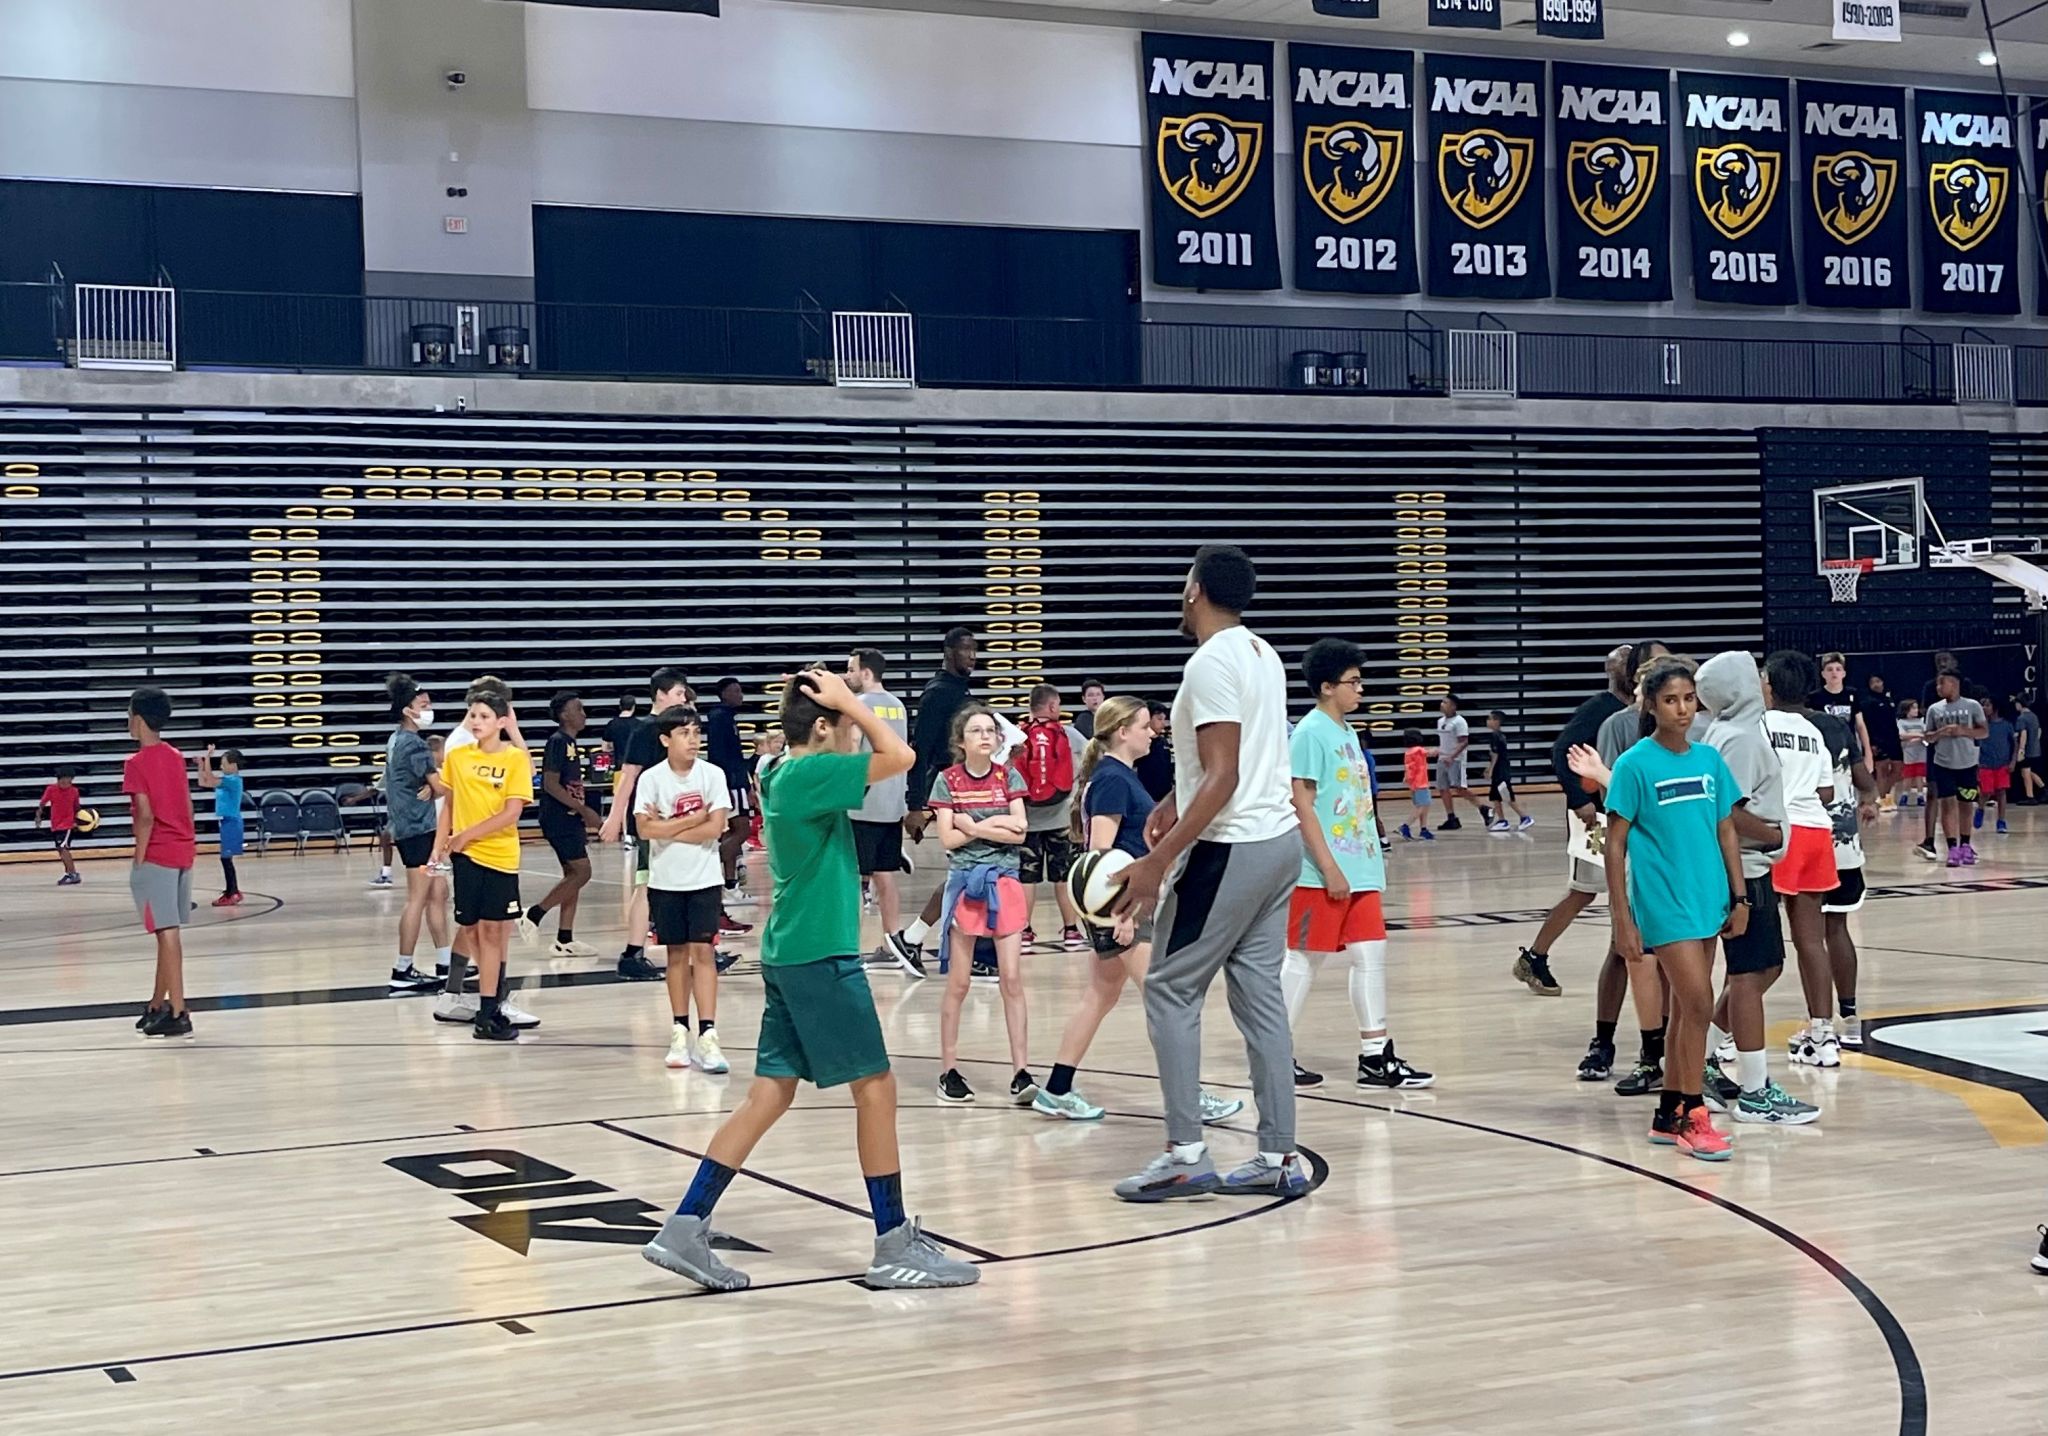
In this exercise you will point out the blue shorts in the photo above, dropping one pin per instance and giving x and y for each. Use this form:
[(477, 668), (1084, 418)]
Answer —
[(231, 837), (1421, 797)]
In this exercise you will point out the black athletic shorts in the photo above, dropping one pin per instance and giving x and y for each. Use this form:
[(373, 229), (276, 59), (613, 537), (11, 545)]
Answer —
[(1848, 894), (62, 838), (483, 894), (1046, 857), (878, 847), (683, 917), (1952, 782), (415, 851), (570, 842), (1762, 945), (1501, 789)]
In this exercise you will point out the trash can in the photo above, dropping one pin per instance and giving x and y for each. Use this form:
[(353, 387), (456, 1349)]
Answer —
[(508, 346), (1314, 369), (1351, 371), (433, 346)]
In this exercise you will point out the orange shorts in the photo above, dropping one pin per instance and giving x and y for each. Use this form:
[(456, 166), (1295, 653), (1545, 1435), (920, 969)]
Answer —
[(1809, 863), (1316, 922)]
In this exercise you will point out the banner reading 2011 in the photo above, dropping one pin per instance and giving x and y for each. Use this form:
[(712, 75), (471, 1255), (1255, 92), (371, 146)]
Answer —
[(1209, 158), (1485, 178), (1613, 182), (1354, 186), (1852, 153), (1969, 165), (1737, 160)]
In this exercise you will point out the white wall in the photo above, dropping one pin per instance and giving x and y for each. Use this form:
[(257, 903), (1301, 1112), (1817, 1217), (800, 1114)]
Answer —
[(284, 47)]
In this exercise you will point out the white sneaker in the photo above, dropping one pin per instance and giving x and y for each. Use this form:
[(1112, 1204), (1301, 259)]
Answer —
[(678, 1049), (517, 1016), (455, 1007), (737, 897), (1498, 825), (572, 949), (1725, 1053), (529, 930), (381, 880), (1801, 1049), (1827, 1048), (710, 1056)]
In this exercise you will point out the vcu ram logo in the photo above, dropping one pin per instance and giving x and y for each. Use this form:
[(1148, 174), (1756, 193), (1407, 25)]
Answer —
[(1852, 192), (1482, 174), (1205, 161), (1968, 196), (1736, 184), (1349, 168), (1610, 182)]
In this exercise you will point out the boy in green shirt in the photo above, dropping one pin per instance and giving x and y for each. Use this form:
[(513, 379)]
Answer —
[(819, 1023)]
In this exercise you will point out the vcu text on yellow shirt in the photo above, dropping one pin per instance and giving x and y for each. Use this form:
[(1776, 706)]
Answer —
[(479, 786)]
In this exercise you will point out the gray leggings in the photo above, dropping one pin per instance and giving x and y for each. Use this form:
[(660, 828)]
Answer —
[(1226, 908)]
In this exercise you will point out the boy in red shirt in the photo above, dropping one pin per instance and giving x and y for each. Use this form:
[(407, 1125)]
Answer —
[(161, 880), (60, 808)]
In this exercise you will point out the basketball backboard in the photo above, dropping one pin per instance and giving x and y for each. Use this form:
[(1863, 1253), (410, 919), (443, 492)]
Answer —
[(1883, 521)]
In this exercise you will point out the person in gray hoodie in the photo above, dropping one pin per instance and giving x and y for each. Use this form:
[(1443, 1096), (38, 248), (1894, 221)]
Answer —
[(1731, 693)]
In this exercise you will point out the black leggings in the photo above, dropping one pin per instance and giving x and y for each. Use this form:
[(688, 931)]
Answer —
[(227, 872)]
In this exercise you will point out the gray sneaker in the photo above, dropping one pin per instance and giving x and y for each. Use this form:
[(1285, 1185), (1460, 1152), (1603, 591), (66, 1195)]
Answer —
[(1257, 1178), (1166, 1180), (906, 1259), (1070, 1105), (1774, 1106), (1219, 1109), (683, 1246)]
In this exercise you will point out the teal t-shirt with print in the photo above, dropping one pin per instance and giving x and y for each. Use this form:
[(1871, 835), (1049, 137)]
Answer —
[(1674, 804), (1326, 752)]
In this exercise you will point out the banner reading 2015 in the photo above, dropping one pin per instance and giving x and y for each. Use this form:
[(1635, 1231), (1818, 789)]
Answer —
[(1485, 169), (1737, 166), (1354, 186), (1209, 156), (1613, 182), (1852, 152), (1969, 163)]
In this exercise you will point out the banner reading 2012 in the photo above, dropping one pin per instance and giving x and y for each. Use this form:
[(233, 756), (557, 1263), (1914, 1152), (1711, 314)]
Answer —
[(1738, 159), (1354, 186), (1852, 152), (1613, 182), (1969, 164), (1485, 169), (1209, 158)]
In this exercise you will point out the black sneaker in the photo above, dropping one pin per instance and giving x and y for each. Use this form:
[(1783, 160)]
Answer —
[(494, 1027), (907, 955), (1390, 1072), (1926, 850), (638, 969), (168, 1025), (1598, 1063), (409, 980), (723, 960), (1449, 825), (1532, 970), (1305, 1078), (1645, 1079), (1720, 1089), (150, 1013), (984, 972), (953, 1087), (2041, 1256), (1022, 1089)]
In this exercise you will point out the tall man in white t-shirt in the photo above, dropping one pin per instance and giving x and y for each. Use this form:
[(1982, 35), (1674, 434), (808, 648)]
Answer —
[(878, 822), (1453, 737), (1225, 852)]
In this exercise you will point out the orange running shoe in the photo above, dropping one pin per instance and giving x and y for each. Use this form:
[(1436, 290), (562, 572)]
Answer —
[(1697, 1137)]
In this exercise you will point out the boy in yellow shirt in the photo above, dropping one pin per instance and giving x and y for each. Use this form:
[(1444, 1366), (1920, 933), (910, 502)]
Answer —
[(489, 783)]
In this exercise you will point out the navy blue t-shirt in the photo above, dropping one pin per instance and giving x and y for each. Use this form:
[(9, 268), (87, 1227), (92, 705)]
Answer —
[(1115, 792)]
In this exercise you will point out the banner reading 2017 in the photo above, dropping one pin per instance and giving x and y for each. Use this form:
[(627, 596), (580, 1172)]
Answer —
[(1354, 186), (1969, 162), (1209, 158), (1613, 182), (1485, 168), (1852, 152), (1737, 159)]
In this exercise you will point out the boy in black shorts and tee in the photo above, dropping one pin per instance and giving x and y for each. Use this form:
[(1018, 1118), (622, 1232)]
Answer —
[(682, 806), (565, 821), (1500, 777)]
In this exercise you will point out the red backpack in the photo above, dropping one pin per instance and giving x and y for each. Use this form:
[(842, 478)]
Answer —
[(1046, 761)]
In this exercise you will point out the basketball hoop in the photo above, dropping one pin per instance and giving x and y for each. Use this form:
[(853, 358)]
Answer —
[(1843, 574)]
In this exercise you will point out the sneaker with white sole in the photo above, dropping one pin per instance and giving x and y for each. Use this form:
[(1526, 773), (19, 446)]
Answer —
[(1260, 1178), (710, 1056), (1827, 1048), (683, 1246), (908, 1260), (1801, 1049), (678, 1058), (382, 880), (1852, 1033), (907, 955), (1526, 824), (953, 1088), (1500, 825), (1773, 1106), (455, 1007), (1070, 1105), (518, 1016), (1219, 1109), (409, 981), (1725, 1053), (529, 930), (1168, 1179)]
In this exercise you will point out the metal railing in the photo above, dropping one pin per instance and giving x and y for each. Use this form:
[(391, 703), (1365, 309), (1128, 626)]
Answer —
[(1483, 364), (874, 350), (125, 326), (1983, 373)]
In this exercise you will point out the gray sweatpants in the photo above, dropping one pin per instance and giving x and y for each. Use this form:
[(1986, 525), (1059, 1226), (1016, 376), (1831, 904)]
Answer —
[(1226, 908)]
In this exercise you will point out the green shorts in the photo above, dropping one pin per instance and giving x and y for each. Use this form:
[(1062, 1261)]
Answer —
[(819, 1024)]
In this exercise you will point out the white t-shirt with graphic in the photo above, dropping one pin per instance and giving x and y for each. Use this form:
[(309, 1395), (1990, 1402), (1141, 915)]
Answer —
[(1807, 765), (1451, 732), (677, 867), (1236, 677)]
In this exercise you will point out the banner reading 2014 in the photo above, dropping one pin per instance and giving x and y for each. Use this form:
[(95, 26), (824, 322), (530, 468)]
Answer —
[(1852, 152), (1969, 162), (1485, 168), (1209, 158), (1354, 186), (1613, 182), (1737, 159)]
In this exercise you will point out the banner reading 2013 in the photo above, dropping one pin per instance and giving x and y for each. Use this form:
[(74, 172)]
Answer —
[(1613, 182), (1485, 168), (1354, 186), (1738, 159), (1209, 158), (1852, 152), (1969, 162)]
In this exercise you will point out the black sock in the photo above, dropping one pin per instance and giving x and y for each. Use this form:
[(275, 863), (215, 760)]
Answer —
[(1692, 1100), (1062, 1080), (706, 1025), (1847, 1004), (1670, 1104), (458, 972), (227, 869), (535, 913), (562, 934), (488, 1006), (1603, 1033), (683, 1021), (1653, 1045), (633, 950)]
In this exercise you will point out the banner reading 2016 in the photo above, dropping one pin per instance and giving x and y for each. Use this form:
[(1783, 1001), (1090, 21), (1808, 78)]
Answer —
[(1613, 182), (1485, 168), (1852, 152), (1354, 186), (1209, 155), (1969, 162), (1737, 159)]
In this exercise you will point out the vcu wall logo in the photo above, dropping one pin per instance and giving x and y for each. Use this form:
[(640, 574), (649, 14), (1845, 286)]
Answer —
[(1852, 192), (1350, 168), (1736, 184), (1482, 173), (1610, 181), (1205, 161), (1968, 196)]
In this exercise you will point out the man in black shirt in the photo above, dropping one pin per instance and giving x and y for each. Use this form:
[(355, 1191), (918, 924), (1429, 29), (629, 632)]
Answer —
[(565, 819), (1155, 769), (728, 754), (1881, 718), (932, 736), (643, 750)]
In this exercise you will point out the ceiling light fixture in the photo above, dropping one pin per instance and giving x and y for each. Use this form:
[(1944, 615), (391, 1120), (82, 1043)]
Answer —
[(1987, 57), (1738, 38)]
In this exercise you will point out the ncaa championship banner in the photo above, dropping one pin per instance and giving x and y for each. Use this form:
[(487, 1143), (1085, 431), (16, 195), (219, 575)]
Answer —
[(1973, 198), (1613, 182), (1354, 176), (1465, 14), (1737, 162), (2037, 125), (1571, 20), (1209, 158), (1484, 168), (1852, 153)]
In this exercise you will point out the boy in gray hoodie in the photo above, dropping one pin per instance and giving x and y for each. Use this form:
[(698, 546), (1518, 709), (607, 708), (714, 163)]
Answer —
[(1731, 692)]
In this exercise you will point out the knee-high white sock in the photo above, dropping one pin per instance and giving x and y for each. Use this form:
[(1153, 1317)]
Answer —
[(1297, 974), (1751, 1069), (1369, 984)]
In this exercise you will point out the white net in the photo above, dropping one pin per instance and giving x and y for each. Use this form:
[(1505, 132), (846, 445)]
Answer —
[(1842, 580)]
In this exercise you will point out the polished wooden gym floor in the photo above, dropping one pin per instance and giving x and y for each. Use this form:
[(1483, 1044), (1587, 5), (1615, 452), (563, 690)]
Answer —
[(329, 1214)]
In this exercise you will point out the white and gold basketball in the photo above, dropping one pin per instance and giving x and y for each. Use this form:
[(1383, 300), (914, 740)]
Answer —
[(1095, 882)]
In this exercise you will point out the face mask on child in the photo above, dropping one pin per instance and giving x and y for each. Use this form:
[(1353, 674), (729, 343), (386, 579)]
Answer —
[(425, 717)]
